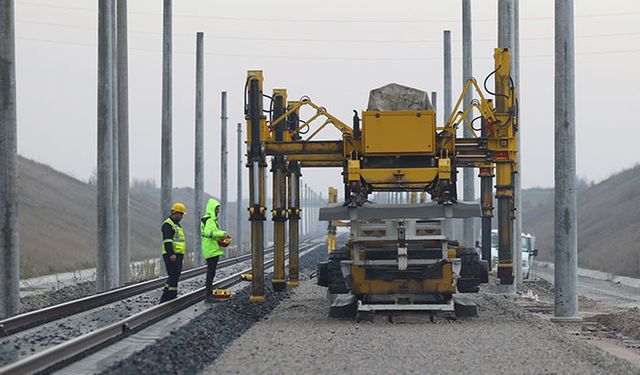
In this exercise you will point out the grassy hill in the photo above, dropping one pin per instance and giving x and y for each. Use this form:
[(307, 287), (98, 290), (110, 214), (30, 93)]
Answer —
[(608, 224), (58, 220)]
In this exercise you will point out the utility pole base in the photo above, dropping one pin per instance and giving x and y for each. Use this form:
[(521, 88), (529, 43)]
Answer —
[(259, 299), (567, 319), (293, 283)]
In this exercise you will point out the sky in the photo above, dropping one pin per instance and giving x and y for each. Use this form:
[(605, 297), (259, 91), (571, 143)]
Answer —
[(334, 52)]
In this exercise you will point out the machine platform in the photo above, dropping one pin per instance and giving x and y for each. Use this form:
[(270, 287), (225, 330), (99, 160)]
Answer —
[(375, 211)]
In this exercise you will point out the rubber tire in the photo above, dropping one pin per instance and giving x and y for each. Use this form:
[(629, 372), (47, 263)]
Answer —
[(337, 283), (347, 311)]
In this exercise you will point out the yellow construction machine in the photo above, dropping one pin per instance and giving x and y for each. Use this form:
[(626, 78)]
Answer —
[(398, 256)]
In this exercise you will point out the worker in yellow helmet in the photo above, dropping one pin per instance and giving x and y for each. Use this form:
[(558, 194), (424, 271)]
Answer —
[(173, 249)]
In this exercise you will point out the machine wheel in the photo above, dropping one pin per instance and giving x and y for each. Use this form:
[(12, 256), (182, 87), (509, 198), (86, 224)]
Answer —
[(471, 271), (336, 281), (484, 272), (468, 286), (342, 305)]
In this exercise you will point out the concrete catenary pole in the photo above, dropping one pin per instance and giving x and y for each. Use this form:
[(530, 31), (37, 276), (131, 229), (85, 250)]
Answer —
[(124, 230), (310, 213), (448, 226), (434, 101), (239, 193), (565, 234), (198, 204), (267, 222), (518, 181), (314, 196), (468, 178), (106, 275), (313, 212), (316, 202), (307, 210), (447, 76), (114, 142), (506, 39), (223, 161), (303, 208), (166, 169), (10, 256)]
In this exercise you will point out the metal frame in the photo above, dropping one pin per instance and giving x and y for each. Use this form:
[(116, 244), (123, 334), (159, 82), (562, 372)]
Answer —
[(373, 307), (494, 149)]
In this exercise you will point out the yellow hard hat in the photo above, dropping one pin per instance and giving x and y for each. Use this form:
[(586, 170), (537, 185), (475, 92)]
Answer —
[(179, 207)]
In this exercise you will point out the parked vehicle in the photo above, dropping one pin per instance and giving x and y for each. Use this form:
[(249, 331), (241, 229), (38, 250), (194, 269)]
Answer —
[(529, 251)]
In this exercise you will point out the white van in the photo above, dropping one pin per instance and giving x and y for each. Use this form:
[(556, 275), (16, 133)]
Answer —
[(529, 251)]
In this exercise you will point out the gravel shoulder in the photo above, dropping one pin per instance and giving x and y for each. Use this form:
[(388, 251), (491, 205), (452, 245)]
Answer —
[(68, 293), (195, 345), (610, 312), (616, 296), (298, 337)]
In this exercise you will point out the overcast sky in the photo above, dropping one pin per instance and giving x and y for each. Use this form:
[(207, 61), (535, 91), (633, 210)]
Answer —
[(334, 52)]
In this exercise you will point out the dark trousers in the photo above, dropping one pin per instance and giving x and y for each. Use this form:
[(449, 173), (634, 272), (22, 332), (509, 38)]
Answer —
[(173, 271), (212, 264)]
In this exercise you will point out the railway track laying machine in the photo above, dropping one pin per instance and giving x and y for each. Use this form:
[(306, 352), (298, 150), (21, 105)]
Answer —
[(398, 256)]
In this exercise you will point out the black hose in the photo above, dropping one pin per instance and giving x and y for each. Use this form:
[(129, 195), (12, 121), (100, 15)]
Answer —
[(472, 121), (487, 78)]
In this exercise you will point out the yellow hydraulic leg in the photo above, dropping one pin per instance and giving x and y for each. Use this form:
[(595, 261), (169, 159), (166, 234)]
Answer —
[(503, 143), (256, 164), (279, 212), (331, 228), (293, 178)]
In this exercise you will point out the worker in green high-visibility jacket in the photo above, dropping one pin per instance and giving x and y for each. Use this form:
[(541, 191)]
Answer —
[(173, 249), (212, 239)]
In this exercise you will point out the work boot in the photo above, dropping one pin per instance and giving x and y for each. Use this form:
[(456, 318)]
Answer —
[(165, 296)]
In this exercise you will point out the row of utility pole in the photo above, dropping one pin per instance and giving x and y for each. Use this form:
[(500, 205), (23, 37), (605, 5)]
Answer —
[(310, 203), (565, 233), (310, 200), (113, 252), (508, 37)]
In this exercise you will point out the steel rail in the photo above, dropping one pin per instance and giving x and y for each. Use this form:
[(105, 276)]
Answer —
[(31, 319), (68, 350)]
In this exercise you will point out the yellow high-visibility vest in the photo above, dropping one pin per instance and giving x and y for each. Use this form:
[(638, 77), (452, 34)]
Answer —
[(179, 244)]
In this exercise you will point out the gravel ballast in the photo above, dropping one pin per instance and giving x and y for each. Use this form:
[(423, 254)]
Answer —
[(626, 322), (55, 297), (44, 336), (298, 337), (197, 344)]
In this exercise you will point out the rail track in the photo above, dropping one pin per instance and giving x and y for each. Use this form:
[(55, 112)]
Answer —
[(67, 351), (49, 314)]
